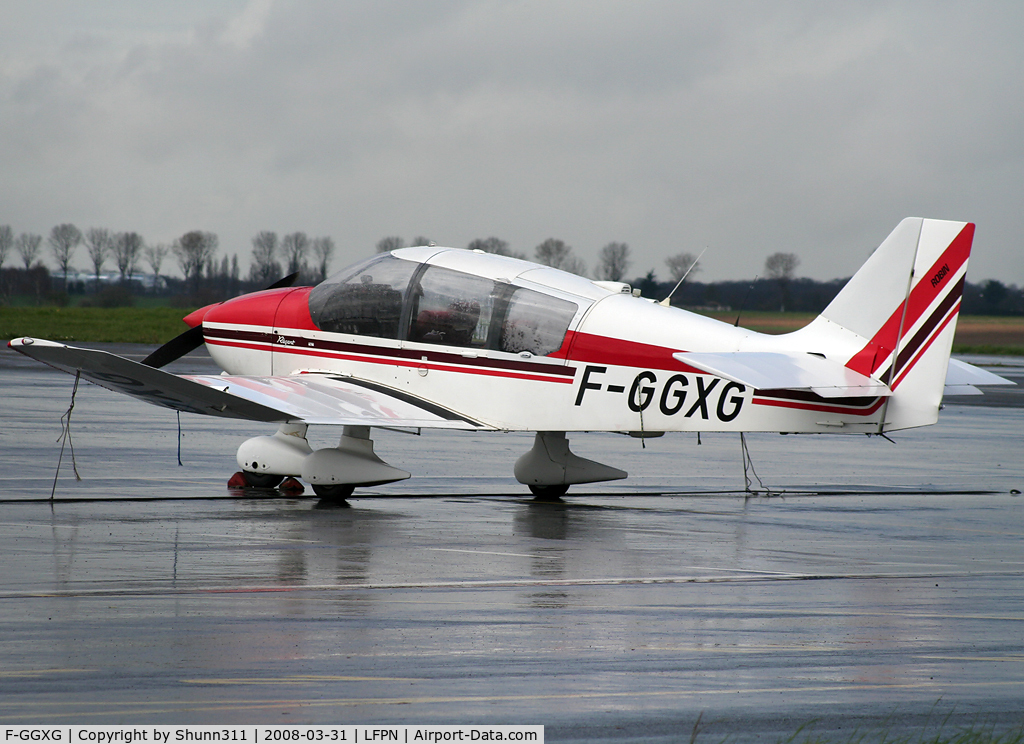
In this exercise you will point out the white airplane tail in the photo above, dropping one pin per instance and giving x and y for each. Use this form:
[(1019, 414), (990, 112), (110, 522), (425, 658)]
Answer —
[(902, 306)]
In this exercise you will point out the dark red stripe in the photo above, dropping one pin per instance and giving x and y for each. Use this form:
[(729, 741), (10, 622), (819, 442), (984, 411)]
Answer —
[(818, 407), (903, 372), (924, 332), (807, 396)]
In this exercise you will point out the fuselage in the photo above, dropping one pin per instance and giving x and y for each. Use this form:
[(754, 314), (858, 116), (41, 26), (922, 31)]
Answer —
[(518, 346)]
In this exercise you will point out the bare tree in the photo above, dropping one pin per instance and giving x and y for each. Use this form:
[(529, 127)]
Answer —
[(390, 243), (420, 240), (323, 249), (613, 262), (781, 267), (680, 263), (63, 240), (27, 246), (155, 255), (265, 269), (294, 247), (98, 241), (6, 242), (194, 250), (556, 254), (127, 248)]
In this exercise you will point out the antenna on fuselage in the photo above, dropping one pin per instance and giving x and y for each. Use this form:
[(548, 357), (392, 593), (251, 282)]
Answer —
[(744, 303), (667, 301)]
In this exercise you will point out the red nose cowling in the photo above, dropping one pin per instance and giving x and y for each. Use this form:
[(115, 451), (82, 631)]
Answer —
[(287, 307)]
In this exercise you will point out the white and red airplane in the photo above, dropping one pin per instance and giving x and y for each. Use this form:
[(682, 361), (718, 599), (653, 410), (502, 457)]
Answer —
[(432, 337)]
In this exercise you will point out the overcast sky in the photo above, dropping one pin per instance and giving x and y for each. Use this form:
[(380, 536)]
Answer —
[(744, 127)]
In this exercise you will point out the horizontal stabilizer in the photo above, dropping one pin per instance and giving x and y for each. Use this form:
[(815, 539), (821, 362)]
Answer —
[(310, 399), (770, 370), (963, 378), (962, 373)]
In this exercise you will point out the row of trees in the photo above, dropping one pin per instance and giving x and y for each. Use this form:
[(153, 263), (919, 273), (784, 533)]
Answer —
[(294, 250), (613, 259), (194, 252), (274, 257), (127, 249)]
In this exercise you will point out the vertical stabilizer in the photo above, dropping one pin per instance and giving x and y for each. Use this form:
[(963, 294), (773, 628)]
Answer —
[(903, 305)]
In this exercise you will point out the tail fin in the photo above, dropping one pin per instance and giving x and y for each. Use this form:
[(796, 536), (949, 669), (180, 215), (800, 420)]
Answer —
[(903, 305)]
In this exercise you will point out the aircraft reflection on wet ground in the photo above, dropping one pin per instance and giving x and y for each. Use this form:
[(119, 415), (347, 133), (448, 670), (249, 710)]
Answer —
[(872, 585)]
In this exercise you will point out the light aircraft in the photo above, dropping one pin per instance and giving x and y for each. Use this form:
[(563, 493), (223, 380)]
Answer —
[(432, 337)]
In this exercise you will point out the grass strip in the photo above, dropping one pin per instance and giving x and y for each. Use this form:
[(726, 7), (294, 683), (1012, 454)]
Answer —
[(132, 325)]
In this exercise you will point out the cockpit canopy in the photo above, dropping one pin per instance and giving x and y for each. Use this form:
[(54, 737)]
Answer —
[(388, 297)]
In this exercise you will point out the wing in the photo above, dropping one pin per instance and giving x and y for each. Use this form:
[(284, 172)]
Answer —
[(766, 370), (310, 399)]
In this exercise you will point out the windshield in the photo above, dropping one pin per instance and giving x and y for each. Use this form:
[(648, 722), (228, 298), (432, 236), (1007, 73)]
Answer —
[(387, 297), (365, 299)]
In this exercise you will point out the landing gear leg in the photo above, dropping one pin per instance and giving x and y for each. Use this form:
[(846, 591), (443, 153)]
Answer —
[(549, 468), (334, 472)]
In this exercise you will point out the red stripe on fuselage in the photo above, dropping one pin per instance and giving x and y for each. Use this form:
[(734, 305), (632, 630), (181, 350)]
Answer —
[(802, 406), (591, 349), (263, 341)]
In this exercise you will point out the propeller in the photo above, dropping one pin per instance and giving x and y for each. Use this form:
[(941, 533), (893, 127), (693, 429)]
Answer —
[(285, 282), (192, 339), (178, 346)]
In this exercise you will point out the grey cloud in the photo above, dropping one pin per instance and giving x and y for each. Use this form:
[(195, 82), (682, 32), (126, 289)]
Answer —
[(749, 127)]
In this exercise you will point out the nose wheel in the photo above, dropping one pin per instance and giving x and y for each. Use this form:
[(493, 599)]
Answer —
[(249, 479)]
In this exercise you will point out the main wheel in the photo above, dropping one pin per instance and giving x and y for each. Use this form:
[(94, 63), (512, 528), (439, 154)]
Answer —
[(549, 492), (261, 480), (333, 491)]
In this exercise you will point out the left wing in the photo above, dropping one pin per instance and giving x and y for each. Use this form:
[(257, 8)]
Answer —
[(309, 398)]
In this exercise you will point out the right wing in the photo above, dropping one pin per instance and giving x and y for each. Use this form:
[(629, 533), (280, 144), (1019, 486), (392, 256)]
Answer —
[(308, 398)]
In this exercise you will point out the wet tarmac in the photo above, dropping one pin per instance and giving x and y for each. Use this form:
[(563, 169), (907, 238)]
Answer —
[(881, 585)]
